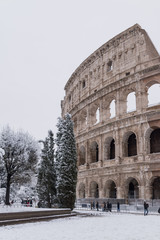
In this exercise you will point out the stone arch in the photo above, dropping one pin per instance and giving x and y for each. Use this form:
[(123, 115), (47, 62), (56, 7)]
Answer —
[(94, 152), (131, 102), (110, 190), (81, 190), (109, 65), (129, 144), (95, 113), (112, 108), (155, 187), (94, 189), (155, 141), (109, 148), (82, 155), (132, 188), (153, 89), (152, 140), (108, 106)]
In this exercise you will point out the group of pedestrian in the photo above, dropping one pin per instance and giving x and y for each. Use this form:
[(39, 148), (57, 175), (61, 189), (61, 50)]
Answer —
[(106, 207)]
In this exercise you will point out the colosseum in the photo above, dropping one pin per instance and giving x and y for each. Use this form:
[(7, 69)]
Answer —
[(117, 127)]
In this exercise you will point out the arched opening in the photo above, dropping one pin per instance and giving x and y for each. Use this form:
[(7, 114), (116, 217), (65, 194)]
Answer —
[(82, 191), (155, 141), (94, 113), (109, 66), (112, 109), (83, 84), (110, 190), (113, 191), (156, 188), (153, 94), (132, 145), (133, 189), (131, 102), (82, 155), (94, 190), (97, 115), (109, 149), (112, 149), (94, 152), (129, 144)]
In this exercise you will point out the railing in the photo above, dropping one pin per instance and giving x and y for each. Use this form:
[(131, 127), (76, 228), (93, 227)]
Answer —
[(124, 208)]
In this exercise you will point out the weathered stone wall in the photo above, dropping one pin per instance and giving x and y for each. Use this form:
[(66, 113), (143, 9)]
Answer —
[(128, 63)]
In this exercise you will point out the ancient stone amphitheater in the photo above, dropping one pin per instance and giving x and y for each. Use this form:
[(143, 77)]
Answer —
[(118, 144)]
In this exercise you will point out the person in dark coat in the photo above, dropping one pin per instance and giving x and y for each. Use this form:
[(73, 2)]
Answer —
[(104, 206), (118, 207), (97, 206), (108, 206), (146, 206)]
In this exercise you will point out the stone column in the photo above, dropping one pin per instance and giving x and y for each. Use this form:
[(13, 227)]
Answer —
[(87, 153), (100, 151), (86, 189), (100, 189), (120, 193), (148, 192), (141, 192)]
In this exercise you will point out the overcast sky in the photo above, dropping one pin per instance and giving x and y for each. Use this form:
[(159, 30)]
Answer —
[(42, 42)]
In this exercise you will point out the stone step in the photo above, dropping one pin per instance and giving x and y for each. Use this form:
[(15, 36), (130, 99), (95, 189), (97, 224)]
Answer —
[(33, 216)]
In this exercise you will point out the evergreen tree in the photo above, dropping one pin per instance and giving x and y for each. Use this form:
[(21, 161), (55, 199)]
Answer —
[(46, 185), (66, 163)]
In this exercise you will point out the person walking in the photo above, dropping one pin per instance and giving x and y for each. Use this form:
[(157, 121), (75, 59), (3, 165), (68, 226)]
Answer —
[(110, 207), (118, 207), (104, 206), (97, 206), (146, 206)]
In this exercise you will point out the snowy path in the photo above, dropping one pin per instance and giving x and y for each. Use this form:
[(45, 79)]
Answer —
[(108, 227)]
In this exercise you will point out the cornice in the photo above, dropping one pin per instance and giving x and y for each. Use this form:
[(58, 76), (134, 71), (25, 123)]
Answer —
[(114, 42)]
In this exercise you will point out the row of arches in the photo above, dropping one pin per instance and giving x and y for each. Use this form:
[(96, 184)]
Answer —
[(129, 145), (93, 117), (130, 189)]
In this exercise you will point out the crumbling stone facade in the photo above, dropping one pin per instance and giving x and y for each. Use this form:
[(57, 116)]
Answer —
[(118, 151)]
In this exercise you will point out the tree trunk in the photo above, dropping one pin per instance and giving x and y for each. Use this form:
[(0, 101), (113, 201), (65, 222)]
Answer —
[(8, 189), (49, 201)]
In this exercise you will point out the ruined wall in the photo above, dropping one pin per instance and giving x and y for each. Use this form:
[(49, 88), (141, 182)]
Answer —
[(114, 157)]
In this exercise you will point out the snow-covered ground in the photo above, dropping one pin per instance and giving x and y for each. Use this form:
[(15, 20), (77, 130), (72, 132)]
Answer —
[(108, 226)]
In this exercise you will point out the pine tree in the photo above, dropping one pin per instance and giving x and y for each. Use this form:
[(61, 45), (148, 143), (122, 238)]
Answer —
[(66, 163), (46, 184)]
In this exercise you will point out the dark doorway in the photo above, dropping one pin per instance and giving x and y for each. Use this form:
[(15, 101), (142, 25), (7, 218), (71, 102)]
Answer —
[(97, 153), (113, 191), (112, 149), (156, 188), (132, 145), (133, 189), (155, 141), (94, 151)]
